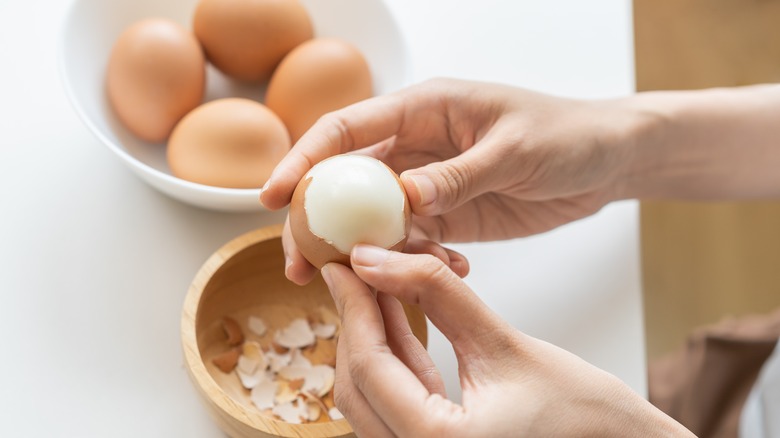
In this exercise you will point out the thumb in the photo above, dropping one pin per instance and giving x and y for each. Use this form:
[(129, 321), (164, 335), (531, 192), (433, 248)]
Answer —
[(442, 186), (426, 281)]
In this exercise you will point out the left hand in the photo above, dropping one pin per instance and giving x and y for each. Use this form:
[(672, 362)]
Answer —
[(478, 161)]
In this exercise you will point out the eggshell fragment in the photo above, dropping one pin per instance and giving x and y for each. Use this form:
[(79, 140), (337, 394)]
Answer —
[(263, 394), (318, 76), (228, 360), (294, 372), (311, 398), (252, 358), (323, 331), (298, 359), (287, 384), (232, 142), (314, 411), (285, 393), (257, 325), (328, 316), (345, 200), (248, 39), (250, 380), (296, 385), (254, 351), (232, 329), (292, 412), (296, 335), (320, 380), (156, 74), (279, 349), (247, 365), (278, 361)]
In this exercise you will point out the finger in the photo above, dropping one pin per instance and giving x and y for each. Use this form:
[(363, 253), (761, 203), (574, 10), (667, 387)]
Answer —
[(349, 400), (356, 126), (444, 185), (407, 347), (393, 391), (296, 268), (455, 260), (379, 150), (426, 281)]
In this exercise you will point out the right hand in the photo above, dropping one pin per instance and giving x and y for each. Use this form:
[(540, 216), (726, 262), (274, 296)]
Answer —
[(478, 161), (513, 384)]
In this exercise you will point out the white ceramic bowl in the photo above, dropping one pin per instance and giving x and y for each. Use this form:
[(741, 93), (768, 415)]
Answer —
[(91, 27)]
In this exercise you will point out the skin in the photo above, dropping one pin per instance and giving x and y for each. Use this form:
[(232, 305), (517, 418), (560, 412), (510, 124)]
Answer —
[(489, 162), (513, 385)]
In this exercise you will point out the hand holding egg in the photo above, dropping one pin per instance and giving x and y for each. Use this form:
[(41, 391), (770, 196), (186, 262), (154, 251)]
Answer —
[(467, 158)]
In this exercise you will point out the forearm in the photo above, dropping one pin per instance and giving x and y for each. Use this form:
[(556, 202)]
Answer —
[(717, 144)]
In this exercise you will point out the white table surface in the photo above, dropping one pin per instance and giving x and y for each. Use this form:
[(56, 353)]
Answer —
[(94, 264)]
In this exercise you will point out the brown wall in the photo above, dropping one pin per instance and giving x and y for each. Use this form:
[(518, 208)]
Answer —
[(703, 261)]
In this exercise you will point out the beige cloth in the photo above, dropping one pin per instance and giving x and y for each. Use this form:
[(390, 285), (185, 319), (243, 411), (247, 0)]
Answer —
[(704, 385)]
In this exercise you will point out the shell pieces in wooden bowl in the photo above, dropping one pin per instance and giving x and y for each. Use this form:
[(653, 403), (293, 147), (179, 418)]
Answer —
[(244, 280)]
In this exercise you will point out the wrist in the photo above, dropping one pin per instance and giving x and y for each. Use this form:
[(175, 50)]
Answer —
[(648, 421), (713, 144), (628, 414), (645, 130)]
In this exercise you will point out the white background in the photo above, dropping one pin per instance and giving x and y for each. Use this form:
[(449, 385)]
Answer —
[(94, 264)]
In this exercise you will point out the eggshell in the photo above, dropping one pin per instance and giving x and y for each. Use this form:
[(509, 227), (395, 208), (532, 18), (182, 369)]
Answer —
[(230, 142), (319, 76), (317, 250), (156, 74), (246, 39)]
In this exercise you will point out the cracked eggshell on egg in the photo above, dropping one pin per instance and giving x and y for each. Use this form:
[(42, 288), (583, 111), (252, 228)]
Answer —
[(345, 200)]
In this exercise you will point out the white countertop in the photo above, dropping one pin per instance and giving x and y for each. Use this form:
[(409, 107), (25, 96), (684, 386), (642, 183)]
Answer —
[(94, 264)]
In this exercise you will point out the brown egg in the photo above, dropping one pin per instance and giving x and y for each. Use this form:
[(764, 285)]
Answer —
[(246, 39), (345, 200), (319, 76), (156, 74), (228, 143)]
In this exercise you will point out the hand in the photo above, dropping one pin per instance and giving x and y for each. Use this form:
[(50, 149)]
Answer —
[(478, 161), (513, 385)]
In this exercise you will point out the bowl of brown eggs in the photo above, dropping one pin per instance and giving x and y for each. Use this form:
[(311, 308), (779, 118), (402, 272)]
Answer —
[(202, 98), (260, 350)]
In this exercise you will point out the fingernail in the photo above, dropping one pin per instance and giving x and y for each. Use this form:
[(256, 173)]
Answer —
[(425, 188), (459, 267), (263, 189), (287, 264), (327, 276), (366, 255)]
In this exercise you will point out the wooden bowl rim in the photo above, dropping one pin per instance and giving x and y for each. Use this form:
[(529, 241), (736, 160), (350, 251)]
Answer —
[(194, 362)]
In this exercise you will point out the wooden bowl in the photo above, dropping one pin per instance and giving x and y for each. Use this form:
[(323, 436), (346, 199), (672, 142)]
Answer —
[(246, 277)]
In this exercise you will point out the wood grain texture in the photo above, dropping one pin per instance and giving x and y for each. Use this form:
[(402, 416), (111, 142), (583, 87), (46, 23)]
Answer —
[(689, 44), (246, 277), (704, 261)]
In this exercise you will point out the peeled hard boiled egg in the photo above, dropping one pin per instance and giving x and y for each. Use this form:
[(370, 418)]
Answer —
[(345, 200), (319, 76), (246, 39), (232, 142), (156, 74)]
